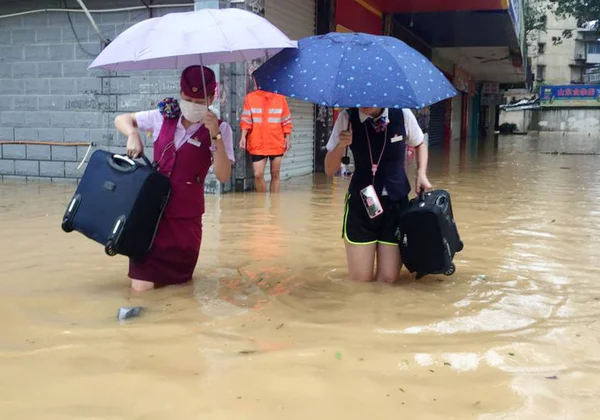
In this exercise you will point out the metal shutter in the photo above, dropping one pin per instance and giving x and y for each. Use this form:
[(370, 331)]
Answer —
[(436, 123), (296, 18)]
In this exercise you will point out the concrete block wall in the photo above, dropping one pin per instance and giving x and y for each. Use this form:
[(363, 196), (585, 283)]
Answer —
[(47, 94)]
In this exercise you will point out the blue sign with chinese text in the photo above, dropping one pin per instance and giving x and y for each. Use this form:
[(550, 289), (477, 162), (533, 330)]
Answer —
[(570, 95)]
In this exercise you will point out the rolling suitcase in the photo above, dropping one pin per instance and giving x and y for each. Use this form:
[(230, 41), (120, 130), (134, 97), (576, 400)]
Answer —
[(428, 235), (118, 203)]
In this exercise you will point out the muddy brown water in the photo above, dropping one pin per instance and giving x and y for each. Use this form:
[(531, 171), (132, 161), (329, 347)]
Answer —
[(270, 328)]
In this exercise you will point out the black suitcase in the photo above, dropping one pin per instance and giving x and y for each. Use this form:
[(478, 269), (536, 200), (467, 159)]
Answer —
[(118, 203), (428, 235)]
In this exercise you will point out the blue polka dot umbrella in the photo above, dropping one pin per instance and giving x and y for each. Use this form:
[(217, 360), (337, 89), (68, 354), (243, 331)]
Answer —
[(345, 70)]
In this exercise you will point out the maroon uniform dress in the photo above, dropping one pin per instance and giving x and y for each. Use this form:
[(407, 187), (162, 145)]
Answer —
[(176, 247)]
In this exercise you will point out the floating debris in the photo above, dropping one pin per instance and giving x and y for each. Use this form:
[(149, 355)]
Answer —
[(129, 312), (552, 377), (279, 326), (247, 352), (338, 355)]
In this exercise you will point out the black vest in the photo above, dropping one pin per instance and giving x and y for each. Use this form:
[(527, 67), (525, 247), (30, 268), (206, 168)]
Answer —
[(391, 173)]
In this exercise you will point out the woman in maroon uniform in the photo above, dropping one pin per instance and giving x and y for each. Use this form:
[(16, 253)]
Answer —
[(188, 139)]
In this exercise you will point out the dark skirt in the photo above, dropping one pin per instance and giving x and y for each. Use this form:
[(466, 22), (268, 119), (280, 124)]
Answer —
[(174, 253)]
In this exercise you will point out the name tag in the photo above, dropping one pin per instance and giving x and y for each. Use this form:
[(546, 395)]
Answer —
[(397, 139), (194, 142)]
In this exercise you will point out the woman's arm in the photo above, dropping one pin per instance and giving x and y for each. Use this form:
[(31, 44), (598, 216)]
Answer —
[(333, 159), (127, 125), (223, 153), (221, 162), (336, 146), (416, 139)]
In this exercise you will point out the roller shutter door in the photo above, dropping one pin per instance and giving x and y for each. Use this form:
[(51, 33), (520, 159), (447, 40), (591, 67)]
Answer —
[(296, 18), (436, 123)]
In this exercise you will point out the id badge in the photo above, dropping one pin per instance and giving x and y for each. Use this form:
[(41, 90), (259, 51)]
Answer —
[(371, 201)]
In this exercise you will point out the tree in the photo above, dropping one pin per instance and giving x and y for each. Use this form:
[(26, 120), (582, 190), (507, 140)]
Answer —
[(582, 10), (535, 16)]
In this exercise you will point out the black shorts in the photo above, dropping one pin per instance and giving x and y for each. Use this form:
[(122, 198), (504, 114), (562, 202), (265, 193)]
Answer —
[(258, 158), (358, 228)]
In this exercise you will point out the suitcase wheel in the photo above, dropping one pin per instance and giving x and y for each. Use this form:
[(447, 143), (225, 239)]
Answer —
[(451, 270), (461, 246), (110, 249), (66, 225), (67, 222)]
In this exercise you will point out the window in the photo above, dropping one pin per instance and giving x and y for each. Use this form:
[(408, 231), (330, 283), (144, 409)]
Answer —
[(593, 48), (540, 73), (541, 48)]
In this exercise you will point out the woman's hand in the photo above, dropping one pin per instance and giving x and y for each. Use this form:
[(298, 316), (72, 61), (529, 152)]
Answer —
[(135, 147), (345, 139), (422, 184), (212, 123)]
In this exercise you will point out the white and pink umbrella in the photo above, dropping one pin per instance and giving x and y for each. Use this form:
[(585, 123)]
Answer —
[(204, 37)]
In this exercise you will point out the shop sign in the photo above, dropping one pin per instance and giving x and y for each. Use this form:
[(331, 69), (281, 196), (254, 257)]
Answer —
[(490, 88), (570, 96)]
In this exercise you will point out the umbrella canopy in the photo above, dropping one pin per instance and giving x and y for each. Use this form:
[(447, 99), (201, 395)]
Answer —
[(355, 70), (205, 37)]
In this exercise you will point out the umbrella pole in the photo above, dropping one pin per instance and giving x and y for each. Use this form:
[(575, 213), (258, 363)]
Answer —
[(346, 159), (203, 81)]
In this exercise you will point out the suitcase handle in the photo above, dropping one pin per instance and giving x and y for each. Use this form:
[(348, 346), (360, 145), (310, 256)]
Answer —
[(133, 165), (147, 161), (441, 201), (113, 164)]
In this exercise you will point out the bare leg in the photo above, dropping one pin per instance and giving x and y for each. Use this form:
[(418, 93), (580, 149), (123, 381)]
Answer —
[(259, 175), (361, 260), (141, 285), (389, 263), (275, 179)]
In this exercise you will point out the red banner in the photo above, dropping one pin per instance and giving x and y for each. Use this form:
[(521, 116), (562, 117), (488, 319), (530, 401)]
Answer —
[(431, 6)]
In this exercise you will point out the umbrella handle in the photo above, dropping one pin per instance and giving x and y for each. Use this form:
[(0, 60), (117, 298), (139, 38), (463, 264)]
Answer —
[(346, 158)]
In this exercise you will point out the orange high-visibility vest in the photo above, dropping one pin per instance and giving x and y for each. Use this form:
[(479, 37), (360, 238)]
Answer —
[(267, 118)]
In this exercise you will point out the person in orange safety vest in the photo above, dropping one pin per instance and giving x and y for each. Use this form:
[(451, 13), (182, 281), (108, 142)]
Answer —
[(266, 125)]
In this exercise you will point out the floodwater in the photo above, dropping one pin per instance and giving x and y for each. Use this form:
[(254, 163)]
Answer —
[(271, 329)]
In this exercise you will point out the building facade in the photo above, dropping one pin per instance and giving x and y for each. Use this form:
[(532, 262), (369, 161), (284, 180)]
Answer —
[(53, 110), (554, 56)]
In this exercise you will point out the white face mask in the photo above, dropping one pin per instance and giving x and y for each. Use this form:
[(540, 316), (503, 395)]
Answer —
[(193, 112)]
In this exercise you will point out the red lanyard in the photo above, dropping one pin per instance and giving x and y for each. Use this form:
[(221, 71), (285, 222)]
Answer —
[(374, 166)]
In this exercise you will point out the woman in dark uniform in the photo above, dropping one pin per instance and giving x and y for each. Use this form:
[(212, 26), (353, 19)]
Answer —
[(379, 188)]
